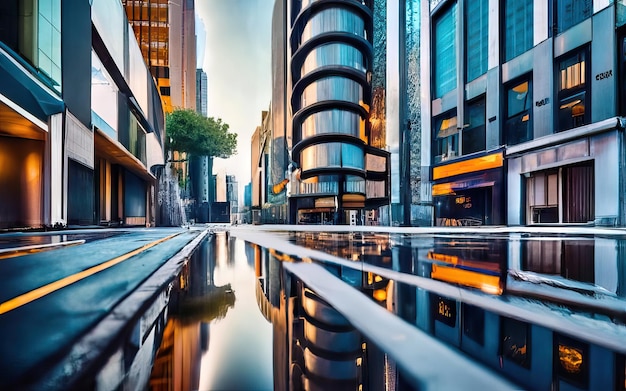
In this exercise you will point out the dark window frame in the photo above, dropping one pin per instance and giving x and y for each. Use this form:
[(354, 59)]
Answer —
[(527, 110), (567, 97), (465, 146), (520, 355), (452, 136)]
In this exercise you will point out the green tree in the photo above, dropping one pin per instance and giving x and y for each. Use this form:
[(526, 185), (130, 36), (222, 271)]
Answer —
[(190, 132)]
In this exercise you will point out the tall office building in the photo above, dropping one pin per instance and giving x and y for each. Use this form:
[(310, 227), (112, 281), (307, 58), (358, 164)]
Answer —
[(337, 168), (525, 108), (150, 22), (82, 122), (202, 85), (182, 53)]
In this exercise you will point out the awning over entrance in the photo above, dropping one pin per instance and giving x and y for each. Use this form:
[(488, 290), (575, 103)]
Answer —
[(18, 84), (117, 154)]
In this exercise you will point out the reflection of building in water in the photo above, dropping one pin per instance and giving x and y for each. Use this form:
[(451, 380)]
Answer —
[(194, 303), (315, 347), (515, 304), (174, 366)]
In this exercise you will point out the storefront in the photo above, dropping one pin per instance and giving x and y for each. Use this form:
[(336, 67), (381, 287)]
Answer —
[(469, 192), (567, 178)]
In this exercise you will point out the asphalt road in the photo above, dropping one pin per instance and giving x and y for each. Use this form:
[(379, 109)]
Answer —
[(50, 299)]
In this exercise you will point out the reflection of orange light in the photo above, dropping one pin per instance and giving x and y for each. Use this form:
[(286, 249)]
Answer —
[(257, 260), (571, 358), (486, 283), (280, 186), (281, 257), (471, 165), (442, 189), (452, 259), (380, 294)]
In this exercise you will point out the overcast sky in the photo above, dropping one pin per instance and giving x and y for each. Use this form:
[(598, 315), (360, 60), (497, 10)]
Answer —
[(234, 50)]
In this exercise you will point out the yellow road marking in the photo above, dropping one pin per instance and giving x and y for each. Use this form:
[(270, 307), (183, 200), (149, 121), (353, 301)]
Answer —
[(40, 292), (25, 250)]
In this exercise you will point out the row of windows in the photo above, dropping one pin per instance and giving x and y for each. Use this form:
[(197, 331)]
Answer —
[(572, 110), (517, 35), (572, 359)]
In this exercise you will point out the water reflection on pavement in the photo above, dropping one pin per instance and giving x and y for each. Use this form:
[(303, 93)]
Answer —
[(216, 338)]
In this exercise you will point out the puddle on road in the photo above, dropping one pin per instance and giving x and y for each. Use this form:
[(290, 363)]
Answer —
[(232, 325), (215, 337)]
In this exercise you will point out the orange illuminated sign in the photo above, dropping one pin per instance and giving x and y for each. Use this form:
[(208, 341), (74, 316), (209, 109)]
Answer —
[(472, 165), (484, 282)]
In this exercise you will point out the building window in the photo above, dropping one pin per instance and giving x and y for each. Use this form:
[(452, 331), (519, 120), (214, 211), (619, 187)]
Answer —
[(573, 90), (444, 310), (518, 27), (564, 195), (620, 369), (474, 323), (517, 125), (571, 360), (477, 14), (333, 154), (571, 12), (445, 51), (333, 20), (515, 341), (473, 137), (446, 137)]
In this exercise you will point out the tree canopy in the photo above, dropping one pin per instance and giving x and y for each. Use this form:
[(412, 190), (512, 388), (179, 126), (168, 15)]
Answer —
[(190, 132)]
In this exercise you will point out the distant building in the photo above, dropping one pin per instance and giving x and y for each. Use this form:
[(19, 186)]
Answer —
[(201, 167), (201, 92), (232, 196)]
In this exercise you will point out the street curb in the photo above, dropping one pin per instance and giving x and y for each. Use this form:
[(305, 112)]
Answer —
[(79, 368)]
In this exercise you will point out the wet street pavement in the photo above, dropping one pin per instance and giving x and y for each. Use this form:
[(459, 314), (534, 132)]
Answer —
[(319, 308)]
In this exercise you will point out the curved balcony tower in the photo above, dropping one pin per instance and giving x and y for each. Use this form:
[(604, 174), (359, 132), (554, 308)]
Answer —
[(331, 56)]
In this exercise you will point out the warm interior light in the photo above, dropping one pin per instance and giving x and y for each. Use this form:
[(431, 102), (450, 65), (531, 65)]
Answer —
[(571, 359), (521, 88), (570, 104)]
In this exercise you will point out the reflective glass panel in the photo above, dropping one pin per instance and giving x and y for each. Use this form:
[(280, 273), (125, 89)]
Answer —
[(518, 27), (49, 40), (321, 155), (104, 93), (477, 14), (333, 19), (331, 155), (518, 109), (333, 54), (445, 51), (332, 121), (332, 88), (352, 156), (572, 12)]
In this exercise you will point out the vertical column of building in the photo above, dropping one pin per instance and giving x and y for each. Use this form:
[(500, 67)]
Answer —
[(330, 100)]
